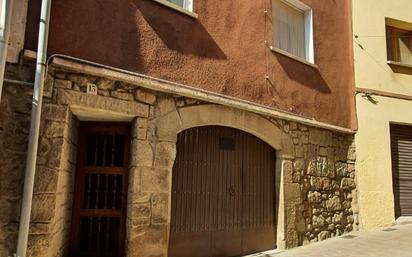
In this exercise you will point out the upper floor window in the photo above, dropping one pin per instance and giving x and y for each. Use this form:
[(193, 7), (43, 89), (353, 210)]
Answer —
[(399, 45), (293, 29), (185, 4)]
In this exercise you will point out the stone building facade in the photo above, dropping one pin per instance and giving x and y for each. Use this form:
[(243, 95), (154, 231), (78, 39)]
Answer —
[(165, 71), (315, 189)]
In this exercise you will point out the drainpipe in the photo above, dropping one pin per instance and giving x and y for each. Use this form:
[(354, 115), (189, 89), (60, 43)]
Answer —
[(34, 129), (6, 12)]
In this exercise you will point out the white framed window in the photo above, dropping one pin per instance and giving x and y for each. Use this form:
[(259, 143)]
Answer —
[(293, 29), (185, 4)]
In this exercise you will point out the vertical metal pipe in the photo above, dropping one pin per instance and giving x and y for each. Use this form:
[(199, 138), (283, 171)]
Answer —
[(6, 14), (34, 129)]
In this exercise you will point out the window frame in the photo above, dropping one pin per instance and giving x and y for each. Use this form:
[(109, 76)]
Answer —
[(187, 8), (308, 28), (393, 48)]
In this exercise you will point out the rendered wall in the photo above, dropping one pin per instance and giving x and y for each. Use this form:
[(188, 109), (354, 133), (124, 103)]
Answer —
[(222, 51), (374, 172)]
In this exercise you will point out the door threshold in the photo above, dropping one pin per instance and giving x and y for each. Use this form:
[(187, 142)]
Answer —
[(403, 220)]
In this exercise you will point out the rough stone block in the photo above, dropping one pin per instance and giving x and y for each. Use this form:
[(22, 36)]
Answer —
[(314, 197), (287, 145), (324, 235), (351, 154), (140, 126), (320, 137), (53, 129), (155, 180), (39, 245), (134, 181), (139, 197), (348, 184), (45, 180), (318, 221), (334, 204), (102, 104), (287, 171), (80, 79), (9, 211), (105, 84), (61, 83), (299, 165), (165, 106), (299, 151), (142, 153), (160, 208), (165, 155), (145, 97), (147, 241), (141, 211), (39, 228), (43, 208), (54, 112), (122, 95), (341, 169), (48, 86), (292, 193)]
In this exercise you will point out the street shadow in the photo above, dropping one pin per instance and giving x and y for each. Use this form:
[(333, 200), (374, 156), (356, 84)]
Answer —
[(179, 32)]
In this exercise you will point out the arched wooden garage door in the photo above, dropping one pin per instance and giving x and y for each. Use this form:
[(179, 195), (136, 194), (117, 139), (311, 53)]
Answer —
[(223, 194)]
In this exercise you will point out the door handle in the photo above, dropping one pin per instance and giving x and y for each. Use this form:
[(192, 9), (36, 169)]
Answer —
[(231, 191)]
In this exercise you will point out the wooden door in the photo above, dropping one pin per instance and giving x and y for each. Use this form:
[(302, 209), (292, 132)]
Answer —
[(99, 205), (401, 151), (222, 194)]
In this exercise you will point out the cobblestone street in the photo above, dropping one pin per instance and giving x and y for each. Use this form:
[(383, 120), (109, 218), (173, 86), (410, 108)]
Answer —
[(390, 242)]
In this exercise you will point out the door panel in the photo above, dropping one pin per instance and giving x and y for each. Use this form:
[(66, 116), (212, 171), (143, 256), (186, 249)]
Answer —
[(258, 196), (99, 205), (212, 214)]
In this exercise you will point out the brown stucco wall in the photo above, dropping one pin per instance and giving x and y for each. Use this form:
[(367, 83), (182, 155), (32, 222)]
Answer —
[(223, 51)]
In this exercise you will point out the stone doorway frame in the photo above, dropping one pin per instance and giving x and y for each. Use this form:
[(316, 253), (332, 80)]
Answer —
[(153, 150), (170, 120)]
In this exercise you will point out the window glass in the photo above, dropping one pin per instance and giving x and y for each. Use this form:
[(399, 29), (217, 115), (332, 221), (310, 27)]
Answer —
[(186, 4), (177, 2), (404, 51), (289, 28)]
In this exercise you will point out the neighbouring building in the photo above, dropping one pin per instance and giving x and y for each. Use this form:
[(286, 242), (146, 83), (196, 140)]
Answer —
[(182, 128), (383, 76)]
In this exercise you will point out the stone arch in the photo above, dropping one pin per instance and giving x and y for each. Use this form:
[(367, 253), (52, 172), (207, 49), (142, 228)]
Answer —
[(223, 116), (170, 121), (176, 121)]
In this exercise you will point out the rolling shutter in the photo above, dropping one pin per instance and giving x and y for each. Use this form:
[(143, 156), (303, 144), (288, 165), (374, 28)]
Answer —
[(401, 146)]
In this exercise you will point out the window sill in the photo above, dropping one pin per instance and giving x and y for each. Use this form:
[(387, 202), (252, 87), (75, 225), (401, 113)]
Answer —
[(296, 58), (398, 67), (177, 8)]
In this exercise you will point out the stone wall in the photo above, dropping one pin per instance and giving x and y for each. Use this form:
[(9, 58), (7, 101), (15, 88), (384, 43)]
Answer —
[(320, 187), (15, 110), (317, 194)]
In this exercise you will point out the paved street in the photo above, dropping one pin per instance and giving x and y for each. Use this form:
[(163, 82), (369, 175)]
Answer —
[(390, 242)]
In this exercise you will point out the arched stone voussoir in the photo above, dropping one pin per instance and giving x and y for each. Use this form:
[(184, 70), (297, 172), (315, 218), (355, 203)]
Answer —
[(210, 114)]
